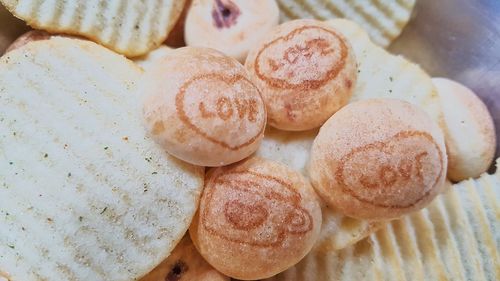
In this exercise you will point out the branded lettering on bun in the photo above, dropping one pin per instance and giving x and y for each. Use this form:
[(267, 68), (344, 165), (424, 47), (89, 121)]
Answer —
[(306, 70), (256, 218), (202, 107), (378, 159)]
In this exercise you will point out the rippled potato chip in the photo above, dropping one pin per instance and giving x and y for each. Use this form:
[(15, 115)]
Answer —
[(84, 193), (455, 238), (129, 27), (382, 19)]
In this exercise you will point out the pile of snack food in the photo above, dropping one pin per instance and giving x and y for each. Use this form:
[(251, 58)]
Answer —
[(256, 148)]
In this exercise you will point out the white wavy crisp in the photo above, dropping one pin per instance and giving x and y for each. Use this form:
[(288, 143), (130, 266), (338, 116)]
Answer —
[(85, 194)]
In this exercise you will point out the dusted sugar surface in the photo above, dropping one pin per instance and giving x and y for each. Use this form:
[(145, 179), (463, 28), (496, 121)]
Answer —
[(306, 70), (256, 218), (233, 27), (378, 159), (202, 107)]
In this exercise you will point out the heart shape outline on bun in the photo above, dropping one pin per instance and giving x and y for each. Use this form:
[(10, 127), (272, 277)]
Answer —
[(293, 54), (249, 191), (390, 175), (226, 107)]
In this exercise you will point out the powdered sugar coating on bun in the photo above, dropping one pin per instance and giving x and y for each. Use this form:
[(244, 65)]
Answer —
[(233, 27), (256, 219), (203, 108), (306, 70), (378, 159)]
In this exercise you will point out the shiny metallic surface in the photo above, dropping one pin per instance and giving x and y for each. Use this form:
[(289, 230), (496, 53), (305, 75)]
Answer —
[(458, 39)]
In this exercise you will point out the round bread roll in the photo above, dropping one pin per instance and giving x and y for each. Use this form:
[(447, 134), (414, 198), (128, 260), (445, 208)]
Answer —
[(230, 26), (306, 71), (185, 264), (32, 35), (256, 218), (378, 159), (469, 130), (203, 108)]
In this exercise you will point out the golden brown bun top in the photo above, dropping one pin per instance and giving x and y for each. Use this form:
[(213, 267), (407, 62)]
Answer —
[(283, 63), (386, 155), (306, 70), (203, 107), (259, 182), (227, 95), (256, 218)]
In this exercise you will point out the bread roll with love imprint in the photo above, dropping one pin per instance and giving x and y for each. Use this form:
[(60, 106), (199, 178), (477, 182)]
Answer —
[(378, 159), (202, 107), (306, 70), (256, 218), (233, 27)]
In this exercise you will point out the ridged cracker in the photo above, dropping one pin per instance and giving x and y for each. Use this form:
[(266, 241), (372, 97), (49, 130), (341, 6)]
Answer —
[(455, 238), (129, 27), (85, 194), (382, 19)]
